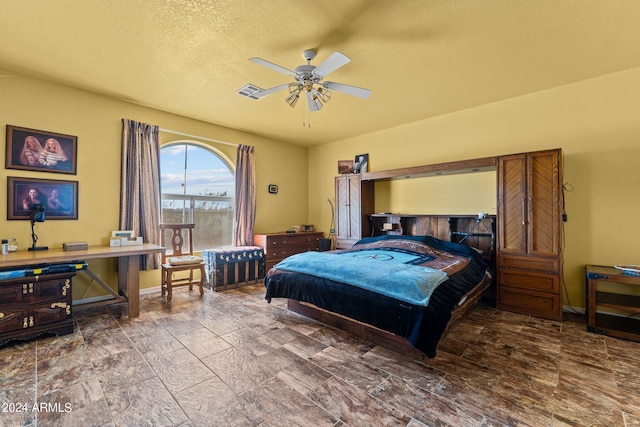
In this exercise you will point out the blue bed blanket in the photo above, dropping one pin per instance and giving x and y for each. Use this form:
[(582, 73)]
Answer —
[(412, 284)]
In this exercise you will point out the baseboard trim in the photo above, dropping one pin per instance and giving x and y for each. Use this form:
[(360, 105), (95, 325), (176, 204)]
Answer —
[(100, 298), (574, 310)]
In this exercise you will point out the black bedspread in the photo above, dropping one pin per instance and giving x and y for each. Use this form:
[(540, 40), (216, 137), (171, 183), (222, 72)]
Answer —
[(421, 326)]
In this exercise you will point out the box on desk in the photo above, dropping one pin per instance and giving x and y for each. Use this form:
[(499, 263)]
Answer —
[(125, 241), (230, 266)]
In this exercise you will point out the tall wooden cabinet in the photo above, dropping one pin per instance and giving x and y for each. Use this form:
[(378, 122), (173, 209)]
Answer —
[(530, 233), (354, 204)]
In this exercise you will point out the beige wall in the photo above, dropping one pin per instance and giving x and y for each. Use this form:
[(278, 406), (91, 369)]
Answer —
[(597, 124), (96, 121)]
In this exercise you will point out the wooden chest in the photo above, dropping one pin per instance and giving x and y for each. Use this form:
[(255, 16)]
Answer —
[(30, 306)]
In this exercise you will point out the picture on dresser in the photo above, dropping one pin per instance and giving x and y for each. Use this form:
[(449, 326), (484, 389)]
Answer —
[(58, 198), (345, 166), (36, 150)]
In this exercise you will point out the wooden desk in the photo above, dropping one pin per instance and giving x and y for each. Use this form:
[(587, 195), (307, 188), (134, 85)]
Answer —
[(128, 267)]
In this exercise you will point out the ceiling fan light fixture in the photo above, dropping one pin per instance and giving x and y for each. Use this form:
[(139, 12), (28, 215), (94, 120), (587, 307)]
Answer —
[(308, 79), (324, 94), (292, 99)]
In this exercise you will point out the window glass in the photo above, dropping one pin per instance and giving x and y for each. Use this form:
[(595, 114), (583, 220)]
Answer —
[(198, 187)]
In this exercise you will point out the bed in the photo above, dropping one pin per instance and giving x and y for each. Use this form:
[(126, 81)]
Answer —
[(401, 292)]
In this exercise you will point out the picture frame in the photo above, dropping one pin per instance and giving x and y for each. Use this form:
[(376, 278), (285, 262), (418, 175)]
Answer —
[(345, 166), (43, 151), (273, 189), (60, 198), (361, 163)]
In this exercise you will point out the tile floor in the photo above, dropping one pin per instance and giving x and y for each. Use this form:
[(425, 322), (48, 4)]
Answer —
[(230, 358)]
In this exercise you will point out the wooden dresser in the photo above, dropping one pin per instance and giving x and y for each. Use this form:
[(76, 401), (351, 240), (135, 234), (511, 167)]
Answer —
[(30, 306), (278, 246)]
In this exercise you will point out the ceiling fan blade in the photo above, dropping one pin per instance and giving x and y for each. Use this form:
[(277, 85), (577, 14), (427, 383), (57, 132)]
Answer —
[(271, 65), (314, 102), (266, 92), (348, 89), (332, 63)]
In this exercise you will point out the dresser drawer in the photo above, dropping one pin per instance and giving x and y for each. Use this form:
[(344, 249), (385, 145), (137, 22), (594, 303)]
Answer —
[(540, 304), (535, 263), (529, 280)]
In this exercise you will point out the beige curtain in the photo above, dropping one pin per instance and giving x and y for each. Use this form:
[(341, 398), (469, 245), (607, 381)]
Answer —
[(245, 195), (140, 185)]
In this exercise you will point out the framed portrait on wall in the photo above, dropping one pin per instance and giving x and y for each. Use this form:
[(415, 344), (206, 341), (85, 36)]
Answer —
[(59, 198), (36, 150)]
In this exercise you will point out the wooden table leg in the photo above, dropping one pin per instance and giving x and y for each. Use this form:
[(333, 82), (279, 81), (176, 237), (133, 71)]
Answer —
[(129, 282)]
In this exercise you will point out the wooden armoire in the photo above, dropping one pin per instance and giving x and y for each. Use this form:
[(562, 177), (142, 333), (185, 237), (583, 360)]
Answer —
[(354, 204), (530, 219)]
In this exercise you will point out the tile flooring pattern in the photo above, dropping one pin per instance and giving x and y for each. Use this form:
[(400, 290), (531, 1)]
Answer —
[(230, 358)]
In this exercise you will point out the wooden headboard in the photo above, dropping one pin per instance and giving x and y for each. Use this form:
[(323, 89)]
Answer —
[(466, 229)]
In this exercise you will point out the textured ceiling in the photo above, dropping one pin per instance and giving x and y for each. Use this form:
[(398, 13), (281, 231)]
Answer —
[(420, 58)]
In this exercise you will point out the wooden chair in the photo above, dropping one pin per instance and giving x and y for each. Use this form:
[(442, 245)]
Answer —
[(180, 259)]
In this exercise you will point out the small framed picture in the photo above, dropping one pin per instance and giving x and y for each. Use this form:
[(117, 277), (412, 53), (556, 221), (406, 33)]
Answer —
[(361, 163), (345, 166), (37, 150), (59, 198)]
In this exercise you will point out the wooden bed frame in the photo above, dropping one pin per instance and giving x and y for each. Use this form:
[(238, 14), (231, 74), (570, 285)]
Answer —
[(378, 336), (389, 340)]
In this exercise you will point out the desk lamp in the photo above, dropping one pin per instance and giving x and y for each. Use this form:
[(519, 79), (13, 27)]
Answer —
[(37, 216)]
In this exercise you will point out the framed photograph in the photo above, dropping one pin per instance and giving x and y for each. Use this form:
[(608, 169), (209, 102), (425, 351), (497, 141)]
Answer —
[(345, 166), (36, 150), (59, 198), (361, 163)]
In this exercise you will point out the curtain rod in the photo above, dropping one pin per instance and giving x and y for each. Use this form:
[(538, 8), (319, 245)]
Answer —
[(175, 132)]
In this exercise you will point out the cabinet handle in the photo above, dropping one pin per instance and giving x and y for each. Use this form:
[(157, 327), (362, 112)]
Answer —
[(67, 285), (24, 288), (1, 315), (31, 321), (25, 323), (62, 305), (30, 288)]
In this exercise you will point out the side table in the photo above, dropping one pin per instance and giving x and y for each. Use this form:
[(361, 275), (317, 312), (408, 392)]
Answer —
[(613, 302)]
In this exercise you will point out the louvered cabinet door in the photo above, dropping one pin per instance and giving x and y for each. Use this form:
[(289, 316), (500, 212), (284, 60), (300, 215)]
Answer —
[(343, 209), (544, 203), (512, 203), (354, 203)]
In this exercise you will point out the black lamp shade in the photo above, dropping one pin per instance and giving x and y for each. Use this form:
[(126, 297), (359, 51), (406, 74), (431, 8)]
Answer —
[(38, 214)]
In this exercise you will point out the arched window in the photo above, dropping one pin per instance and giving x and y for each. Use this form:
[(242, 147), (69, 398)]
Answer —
[(198, 187)]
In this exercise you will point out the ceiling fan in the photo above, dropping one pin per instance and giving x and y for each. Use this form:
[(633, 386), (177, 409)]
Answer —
[(308, 80)]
